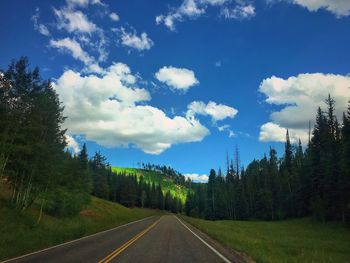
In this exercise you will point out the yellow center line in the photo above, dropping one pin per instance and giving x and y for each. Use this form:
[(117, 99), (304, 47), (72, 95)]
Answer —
[(120, 249)]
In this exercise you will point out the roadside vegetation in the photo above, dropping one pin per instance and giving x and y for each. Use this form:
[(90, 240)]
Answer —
[(294, 240), (20, 233)]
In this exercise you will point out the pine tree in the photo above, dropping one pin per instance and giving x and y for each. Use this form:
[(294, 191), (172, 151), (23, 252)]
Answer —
[(344, 180), (319, 168), (83, 157), (211, 194)]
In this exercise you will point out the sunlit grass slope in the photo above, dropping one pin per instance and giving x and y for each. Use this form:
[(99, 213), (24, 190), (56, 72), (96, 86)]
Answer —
[(20, 233), (298, 240), (167, 184)]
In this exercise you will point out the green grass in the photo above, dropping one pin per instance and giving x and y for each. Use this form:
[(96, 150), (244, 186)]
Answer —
[(167, 184), (299, 240), (20, 233)]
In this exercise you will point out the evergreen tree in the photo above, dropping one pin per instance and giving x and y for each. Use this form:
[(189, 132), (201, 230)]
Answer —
[(344, 180), (211, 195)]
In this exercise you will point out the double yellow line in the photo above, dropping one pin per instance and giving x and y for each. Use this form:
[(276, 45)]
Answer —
[(120, 249)]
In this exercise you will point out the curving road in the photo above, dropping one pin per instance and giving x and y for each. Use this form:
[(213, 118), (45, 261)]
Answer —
[(151, 240)]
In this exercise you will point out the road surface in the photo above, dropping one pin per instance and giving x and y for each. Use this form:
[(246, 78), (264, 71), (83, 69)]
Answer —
[(152, 240)]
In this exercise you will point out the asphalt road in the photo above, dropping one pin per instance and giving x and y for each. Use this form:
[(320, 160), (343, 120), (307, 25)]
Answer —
[(155, 239)]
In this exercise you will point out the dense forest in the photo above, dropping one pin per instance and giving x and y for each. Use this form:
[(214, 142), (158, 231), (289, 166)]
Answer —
[(311, 182), (36, 165)]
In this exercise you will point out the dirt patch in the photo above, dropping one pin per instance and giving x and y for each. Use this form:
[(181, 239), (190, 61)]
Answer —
[(89, 213)]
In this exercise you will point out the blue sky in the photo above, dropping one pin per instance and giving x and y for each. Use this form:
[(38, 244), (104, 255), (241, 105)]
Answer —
[(182, 82)]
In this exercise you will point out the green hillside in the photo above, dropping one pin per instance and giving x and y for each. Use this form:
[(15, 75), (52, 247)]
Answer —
[(167, 183)]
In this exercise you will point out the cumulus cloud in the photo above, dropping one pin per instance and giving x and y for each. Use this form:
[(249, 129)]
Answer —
[(41, 28), (131, 39), (72, 47), (112, 111), (177, 78), (114, 17), (200, 178), (300, 96), (73, 21), (72, 144), (340, 8), (217, 112), (239, 12)]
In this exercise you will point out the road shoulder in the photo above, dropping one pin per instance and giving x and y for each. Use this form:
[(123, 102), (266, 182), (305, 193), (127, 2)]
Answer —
[(229, 253)]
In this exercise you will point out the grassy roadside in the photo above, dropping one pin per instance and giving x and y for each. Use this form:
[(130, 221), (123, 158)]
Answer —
[(20, 234), (299, 240)]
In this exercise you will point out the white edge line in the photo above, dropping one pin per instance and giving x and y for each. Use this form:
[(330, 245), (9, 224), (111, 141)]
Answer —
[(75, 240), (209, 246)]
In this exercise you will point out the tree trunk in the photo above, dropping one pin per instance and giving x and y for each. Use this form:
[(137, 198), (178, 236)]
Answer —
[(42, 205)]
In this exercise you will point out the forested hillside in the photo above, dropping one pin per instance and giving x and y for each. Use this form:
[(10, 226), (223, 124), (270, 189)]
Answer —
[(137, 187), (168, 183)]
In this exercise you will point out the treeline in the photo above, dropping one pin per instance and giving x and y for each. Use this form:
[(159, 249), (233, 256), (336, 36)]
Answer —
[(128, 190), (166, 171), (32, 157), (310, 182)]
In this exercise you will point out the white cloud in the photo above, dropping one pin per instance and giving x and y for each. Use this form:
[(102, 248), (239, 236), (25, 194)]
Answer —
[(274, 132), (87, 35), (41, 28), (73, 47), (223, 127), (83, 3), (74, 21), (218, 64), (107, 110), (200, 178), (113, 16), (188, 9), (217, 112), (72, 144), (177, 78), (239, 12), (231, 134), (131, 39), (78, 3), (340, 8), (192, 9), (98, 2), (215, 2), (300, 97)]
